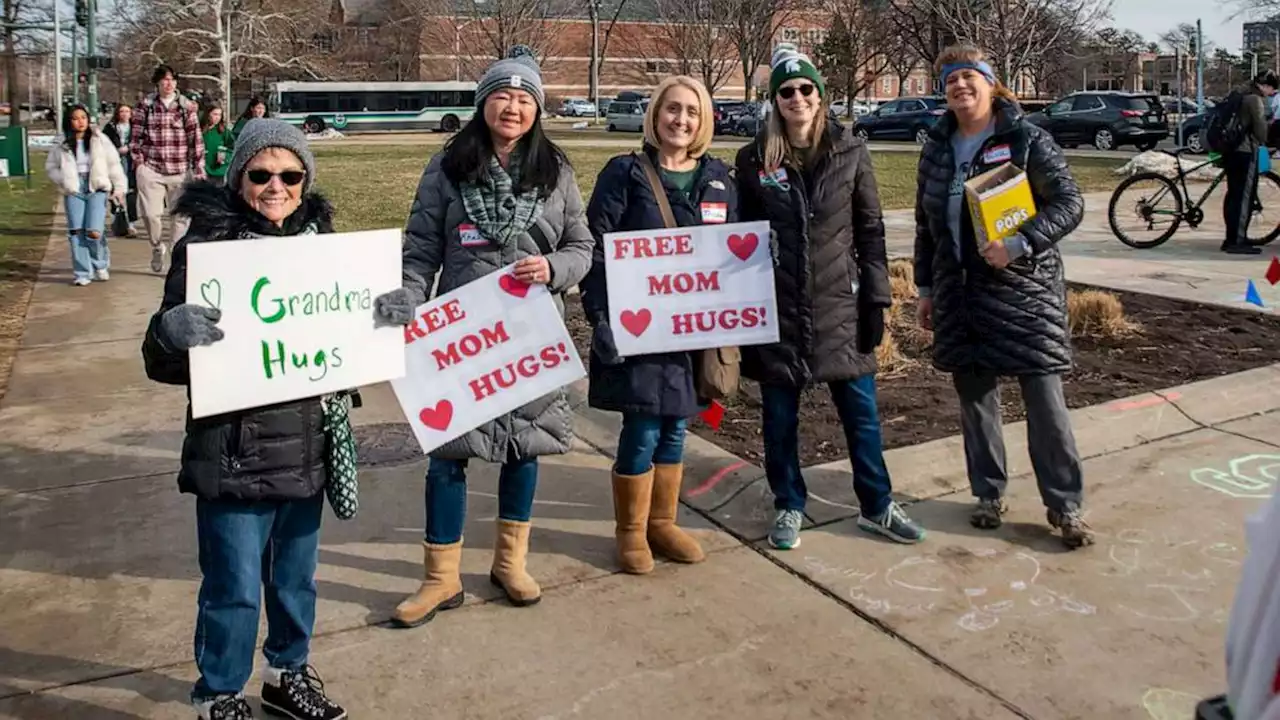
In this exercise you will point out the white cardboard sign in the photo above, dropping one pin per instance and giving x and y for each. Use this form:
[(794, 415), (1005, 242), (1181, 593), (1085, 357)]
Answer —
[(298, 317), (479, 352), (691, 288)]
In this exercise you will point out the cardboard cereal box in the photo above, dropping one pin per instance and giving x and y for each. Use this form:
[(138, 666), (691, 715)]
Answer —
[(999, 202)]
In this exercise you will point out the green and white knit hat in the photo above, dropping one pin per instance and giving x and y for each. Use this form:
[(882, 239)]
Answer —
[(789, 63)]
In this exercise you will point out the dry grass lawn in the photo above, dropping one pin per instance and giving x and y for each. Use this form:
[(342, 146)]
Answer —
[(26, 216)]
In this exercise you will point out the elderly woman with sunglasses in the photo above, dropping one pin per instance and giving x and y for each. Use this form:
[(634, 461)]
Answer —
[(258, 475), (812, 180)]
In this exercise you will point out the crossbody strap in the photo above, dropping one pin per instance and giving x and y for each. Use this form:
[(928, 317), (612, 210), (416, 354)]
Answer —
[(659, 193)]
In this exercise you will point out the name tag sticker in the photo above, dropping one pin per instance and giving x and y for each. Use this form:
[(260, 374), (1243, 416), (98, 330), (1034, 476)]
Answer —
[(713, 212), (997, 154), (470, 235)]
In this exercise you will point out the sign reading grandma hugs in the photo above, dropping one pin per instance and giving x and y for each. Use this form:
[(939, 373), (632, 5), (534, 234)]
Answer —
[(298, 317)]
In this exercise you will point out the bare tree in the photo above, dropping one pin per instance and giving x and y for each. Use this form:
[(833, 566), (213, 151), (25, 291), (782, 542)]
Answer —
[(480, 32), (916, 29), (694, 33), (900, 54), (751, 28), (16, 15), (853, 53)]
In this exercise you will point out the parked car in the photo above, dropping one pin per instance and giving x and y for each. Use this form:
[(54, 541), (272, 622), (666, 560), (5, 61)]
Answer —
[(1191, 133), (902, 119), (626, 115), (1106, 120), (727, 112), (577, 107)]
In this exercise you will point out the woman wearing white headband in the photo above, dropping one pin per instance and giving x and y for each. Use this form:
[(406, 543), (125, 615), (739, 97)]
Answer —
[(999, 309)]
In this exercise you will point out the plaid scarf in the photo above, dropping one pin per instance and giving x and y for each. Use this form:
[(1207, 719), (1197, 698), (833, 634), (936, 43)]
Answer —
[(499, 213)]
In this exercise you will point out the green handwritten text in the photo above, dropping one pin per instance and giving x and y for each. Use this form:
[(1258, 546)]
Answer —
[(308, 303)]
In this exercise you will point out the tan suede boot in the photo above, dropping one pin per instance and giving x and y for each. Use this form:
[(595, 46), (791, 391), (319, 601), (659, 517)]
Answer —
[(510, 550), (441, 587), (632, 495), (665, 537)]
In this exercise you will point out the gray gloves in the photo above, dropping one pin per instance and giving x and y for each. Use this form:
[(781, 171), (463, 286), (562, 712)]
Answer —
[(187, 325), (603, 345), (393, 308)]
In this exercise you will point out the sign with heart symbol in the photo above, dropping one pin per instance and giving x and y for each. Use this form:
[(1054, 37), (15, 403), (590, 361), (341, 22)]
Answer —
[(743, 246), (438, 417), (211, 293), (636, 322)]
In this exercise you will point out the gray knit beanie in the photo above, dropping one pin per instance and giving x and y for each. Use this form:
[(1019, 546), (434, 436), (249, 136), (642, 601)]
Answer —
[(262, 133), (519, 69)]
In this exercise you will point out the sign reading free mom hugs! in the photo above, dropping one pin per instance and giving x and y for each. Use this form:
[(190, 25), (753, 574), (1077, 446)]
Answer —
[(691, 288)]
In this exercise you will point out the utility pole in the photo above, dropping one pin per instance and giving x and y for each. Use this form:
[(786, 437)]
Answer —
[(1199, 66), (57, 67), (594, 80), (1177, 64), (91, 55), (75, 63)]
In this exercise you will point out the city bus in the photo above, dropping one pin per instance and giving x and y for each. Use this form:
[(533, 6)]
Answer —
[(353, 107)]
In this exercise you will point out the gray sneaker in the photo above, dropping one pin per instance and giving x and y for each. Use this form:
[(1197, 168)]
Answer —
[(157, 259), (1076, 533), (894, 524), (785, 534)]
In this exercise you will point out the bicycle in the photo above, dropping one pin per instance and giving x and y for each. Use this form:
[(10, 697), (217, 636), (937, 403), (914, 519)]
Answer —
[(1185, 208)]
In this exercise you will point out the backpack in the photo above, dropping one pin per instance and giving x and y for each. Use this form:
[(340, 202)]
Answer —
[(1222, 131)]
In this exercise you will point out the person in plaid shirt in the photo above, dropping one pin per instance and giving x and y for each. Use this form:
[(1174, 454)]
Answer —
[(168, 150)]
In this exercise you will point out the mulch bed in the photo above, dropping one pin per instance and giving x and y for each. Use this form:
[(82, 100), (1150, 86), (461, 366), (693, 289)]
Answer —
[(1178, 342)]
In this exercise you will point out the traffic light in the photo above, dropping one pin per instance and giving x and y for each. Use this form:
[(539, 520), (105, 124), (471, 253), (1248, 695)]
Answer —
[(82, 12)]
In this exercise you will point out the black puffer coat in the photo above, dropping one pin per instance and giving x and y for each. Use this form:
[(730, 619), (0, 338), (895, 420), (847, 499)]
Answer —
[(662, 383), (267, 453), (831, 260), (1004, 322)]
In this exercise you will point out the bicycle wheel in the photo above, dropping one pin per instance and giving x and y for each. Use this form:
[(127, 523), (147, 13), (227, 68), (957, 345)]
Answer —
[(1264, 225), (1155, 205)]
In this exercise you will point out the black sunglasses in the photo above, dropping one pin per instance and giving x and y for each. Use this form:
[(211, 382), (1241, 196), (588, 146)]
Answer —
[(805, 90), (288, 177)]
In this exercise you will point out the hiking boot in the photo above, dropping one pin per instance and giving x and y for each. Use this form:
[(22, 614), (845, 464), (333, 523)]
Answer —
[(226, 707), (298, 694), (987, 515), (1075, 531), (785, 534), (157, 259), (894, 524)]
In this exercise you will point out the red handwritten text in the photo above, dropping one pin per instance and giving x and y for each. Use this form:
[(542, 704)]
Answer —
[(435, 320), (684, 283), (505, 377), (712, 320), (656, 246), (470, 345)]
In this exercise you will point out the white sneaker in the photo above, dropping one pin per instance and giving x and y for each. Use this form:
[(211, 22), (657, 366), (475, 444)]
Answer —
[(157, 259), (81, 282), (102, 275)]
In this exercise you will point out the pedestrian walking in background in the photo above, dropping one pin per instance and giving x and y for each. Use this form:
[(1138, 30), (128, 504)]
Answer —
[(999, 310), (167, 152), (120, 132), (499, 193), (218, 142), (813, 181), (86, 168), (258, 475), (1240, 162), (670, 182), (257, 108)]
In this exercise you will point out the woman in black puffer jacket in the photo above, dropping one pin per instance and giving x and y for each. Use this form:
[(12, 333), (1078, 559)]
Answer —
[(258, 475), (1000, 310)]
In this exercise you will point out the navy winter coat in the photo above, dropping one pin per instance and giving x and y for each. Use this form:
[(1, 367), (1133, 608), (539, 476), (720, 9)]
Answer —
[(662, 383)]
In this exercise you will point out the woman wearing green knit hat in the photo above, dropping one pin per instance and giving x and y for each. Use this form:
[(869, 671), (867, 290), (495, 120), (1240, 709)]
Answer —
[(811, 179)]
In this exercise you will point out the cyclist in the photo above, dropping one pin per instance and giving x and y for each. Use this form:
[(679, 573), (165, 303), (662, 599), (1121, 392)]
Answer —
[(1241, 164)]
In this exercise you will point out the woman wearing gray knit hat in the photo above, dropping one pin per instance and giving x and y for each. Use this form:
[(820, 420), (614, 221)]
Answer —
[(812, 180), (500, 193), (258, 475)]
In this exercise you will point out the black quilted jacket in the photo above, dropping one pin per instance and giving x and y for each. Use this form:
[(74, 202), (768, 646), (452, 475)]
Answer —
[(1003, 322), (831, 260)]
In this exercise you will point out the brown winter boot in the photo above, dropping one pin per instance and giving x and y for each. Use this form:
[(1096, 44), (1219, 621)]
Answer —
[(510, 548), (665, 538), (441, 586), (632, 495)]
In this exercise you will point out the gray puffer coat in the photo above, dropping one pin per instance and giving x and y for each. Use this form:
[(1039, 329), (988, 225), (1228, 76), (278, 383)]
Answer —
[(1000, 322), (432, 245)]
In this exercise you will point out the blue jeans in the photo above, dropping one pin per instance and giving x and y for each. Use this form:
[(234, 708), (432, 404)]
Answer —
[(647, 440), (248, 550), (446, 496), (87, 211), (855, 402)]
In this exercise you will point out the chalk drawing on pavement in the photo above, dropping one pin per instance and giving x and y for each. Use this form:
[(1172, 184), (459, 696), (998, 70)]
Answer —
[(1165, 704), (1177, 576), (1250, 476)]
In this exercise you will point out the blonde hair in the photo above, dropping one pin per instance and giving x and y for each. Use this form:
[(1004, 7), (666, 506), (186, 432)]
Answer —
[(706, 115), (777, 146), (968, 53)]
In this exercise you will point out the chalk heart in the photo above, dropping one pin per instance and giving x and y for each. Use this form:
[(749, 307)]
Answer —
[(438, 417), (744, 246), (212, 294), (512, 286), (636, 322)]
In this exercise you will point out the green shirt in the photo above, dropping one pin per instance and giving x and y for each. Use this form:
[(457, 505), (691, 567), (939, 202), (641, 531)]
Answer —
[(682, 180), (214, 139)]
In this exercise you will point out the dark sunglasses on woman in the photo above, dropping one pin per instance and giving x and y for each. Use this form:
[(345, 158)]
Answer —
[(786, 92), (288, 177)]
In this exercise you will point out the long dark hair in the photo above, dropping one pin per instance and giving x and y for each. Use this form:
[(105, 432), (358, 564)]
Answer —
[(69, 133), (466, 157), (204, 118), (248, 109), (115, 115)]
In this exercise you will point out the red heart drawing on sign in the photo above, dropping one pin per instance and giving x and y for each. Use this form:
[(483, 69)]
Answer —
[(438, 417), (512, 286), (743, 245), (636, 322)]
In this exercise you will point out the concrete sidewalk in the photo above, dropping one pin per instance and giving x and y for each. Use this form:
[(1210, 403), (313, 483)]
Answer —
[(98, 569)]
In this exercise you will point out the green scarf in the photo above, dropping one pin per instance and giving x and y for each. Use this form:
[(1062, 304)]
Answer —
[(493, 205)]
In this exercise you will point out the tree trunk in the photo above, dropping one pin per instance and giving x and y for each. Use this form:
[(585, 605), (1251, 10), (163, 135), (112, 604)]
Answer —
[(11, 65)]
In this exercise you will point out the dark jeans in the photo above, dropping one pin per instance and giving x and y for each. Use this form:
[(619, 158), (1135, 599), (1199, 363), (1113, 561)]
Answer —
[(446, 496), (647, 440), (1242, 184), (855, 402), (250, 550)]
